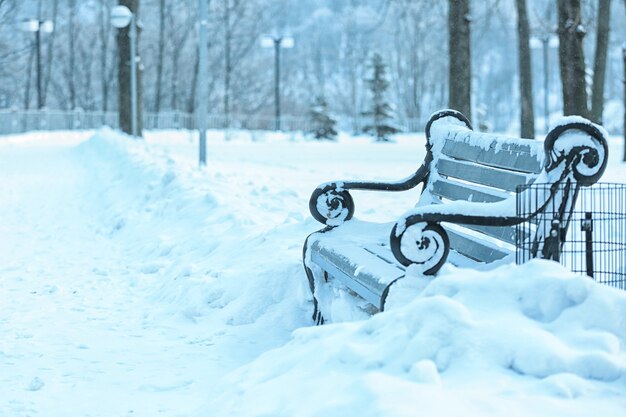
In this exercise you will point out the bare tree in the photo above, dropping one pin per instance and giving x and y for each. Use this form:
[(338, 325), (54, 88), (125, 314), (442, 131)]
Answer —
[(50, 51), (460, 71), (107, 70), (8, 67), (214, 74), (241, 22), (228, 64), (191, 99), (29, 78), (6, 6), (410, 30), (86, 59), (178, 34), (160, 55), (572, 61), (354, 56), (599, 64), (124, 68), (71, 69), (571, 58), (525, 74)]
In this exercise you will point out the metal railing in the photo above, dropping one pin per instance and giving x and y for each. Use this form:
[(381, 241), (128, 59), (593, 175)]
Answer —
[(591, 241), (20, 121)]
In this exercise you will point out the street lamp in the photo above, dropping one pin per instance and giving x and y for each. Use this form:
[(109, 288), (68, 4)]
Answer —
[(277, 42), (202, 86), (121, 17), (38, 26), (545, 41)]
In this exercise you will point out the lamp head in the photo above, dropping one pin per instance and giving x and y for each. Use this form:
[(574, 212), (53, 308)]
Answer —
[(47, 26), (29, 25), (121, 16), (267, 41), (287, 42)]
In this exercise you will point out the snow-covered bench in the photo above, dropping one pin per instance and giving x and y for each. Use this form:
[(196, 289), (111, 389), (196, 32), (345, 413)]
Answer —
[(466, 213)]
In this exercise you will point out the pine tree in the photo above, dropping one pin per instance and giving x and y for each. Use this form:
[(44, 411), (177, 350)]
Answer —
[(322, 122), (381, 112)]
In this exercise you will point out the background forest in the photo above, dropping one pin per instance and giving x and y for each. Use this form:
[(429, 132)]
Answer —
[(334, 40)]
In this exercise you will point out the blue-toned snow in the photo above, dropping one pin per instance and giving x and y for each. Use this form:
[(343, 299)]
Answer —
[(133, 284)]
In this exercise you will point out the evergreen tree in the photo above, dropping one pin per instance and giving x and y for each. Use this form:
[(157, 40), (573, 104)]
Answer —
[(381, 112), (322, 121)]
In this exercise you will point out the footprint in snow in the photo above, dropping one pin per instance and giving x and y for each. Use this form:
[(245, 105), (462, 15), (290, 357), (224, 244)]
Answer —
[(35, 385)]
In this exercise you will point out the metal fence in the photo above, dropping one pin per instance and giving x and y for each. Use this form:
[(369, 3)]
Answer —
[(24, 121), (592, 241), (20, 121)]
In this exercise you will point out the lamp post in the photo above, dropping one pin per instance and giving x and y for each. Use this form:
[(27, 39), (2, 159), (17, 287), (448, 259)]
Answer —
[(201, 110), (277, 42), (545, 42), (38, 26), (121, 17)]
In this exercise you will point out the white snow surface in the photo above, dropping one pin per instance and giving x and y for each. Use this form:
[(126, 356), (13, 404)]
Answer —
[(134, 284)]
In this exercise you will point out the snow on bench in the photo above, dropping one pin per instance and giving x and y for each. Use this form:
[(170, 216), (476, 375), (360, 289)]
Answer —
[(466, 213)]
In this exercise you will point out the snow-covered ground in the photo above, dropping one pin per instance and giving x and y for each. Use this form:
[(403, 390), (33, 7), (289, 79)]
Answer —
[(134, 284)]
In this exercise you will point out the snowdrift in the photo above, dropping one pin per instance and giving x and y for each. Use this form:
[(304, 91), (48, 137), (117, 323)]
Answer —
[(215, 311), (522, 335), (207, 247), (523, 340)]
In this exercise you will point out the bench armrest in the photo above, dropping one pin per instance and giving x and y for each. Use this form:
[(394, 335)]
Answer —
[(332, 204), (418, 238), (573, 159)]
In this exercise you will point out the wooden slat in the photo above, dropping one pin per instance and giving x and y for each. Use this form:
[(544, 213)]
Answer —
[(510, 156), (481, 174), (504, 233), (458, 243), (383, 252), (462, 261), (369, 278), (459, 191), (474, 248)]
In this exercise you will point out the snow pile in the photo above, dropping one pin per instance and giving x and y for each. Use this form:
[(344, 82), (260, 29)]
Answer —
[(534, 331), (207, 252)]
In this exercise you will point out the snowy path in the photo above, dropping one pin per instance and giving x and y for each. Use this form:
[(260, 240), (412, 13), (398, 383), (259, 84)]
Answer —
[(79, 335)]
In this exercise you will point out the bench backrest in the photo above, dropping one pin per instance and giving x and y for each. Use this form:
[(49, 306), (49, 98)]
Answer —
[(481, 167)]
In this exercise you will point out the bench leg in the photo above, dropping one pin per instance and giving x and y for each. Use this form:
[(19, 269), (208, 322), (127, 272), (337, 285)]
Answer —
[(317, 314)]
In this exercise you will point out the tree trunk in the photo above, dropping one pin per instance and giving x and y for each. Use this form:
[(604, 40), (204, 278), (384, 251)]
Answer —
[(161, 51), (124, 81), (174, 79), (71, 76), (50, 52), (103, 31), (525, 77), (571, 58), (191, 101), (460, 73), (29, 77), (599, 65), (228, 67)]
